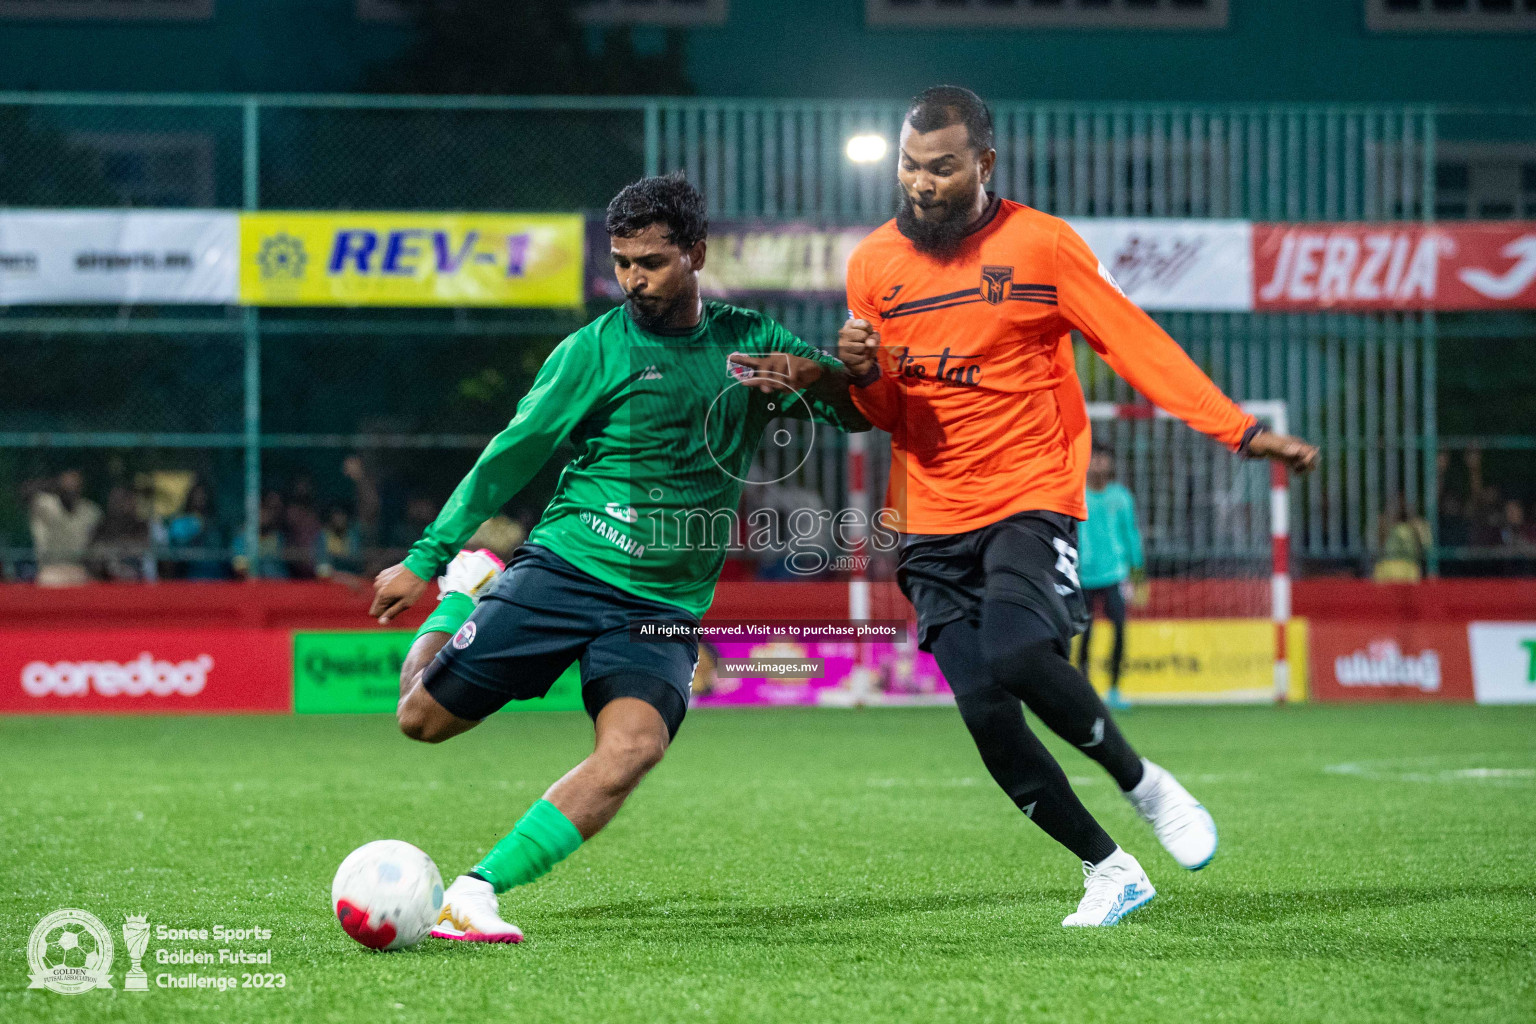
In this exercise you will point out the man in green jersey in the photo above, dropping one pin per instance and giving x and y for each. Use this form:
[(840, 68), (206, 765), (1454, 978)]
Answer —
[(666, 400)]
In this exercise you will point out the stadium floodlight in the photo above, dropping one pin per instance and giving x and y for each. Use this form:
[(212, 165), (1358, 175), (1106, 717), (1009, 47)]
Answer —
[(866, 149)]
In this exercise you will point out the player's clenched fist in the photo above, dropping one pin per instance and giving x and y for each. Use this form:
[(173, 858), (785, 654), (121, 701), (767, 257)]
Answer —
[(857, 344)]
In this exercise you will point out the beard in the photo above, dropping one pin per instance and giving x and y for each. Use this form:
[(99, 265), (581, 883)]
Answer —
[(651, 315), (940, 234)]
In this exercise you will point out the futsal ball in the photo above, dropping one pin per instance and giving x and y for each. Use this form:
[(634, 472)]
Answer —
[(387, 894), (68, 946)]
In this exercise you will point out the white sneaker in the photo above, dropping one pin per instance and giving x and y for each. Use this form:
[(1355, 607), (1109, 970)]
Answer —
[(1184, 827), (470, 914), (470, 572), (1114, 888)]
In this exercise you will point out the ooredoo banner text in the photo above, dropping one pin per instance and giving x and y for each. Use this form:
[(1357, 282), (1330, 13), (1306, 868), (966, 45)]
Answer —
[(144, 671)]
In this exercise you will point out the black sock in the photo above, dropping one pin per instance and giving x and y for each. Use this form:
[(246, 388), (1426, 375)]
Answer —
[(1015, 757), (1026, 662)]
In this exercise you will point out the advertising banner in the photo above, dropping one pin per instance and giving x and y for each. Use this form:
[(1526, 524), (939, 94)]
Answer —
[(411, 259), (1176, 264), (342, 673), (118, 257), (1198, 660), (1503, 662), (1160, 264), (1170, 265), (144, 671), (1166, 661), (1467, 265), (751, 260), (1412, 661), (892, 674)]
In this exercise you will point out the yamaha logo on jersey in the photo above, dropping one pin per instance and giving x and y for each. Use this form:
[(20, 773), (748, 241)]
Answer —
[(464, 637), (996, 284)]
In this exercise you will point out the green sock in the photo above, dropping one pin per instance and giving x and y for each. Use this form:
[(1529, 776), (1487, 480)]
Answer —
[(450, 614), (541, 839)]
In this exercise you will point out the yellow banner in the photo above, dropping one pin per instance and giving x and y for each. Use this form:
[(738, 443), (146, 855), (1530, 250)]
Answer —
[(1199, 659), (411, 259)]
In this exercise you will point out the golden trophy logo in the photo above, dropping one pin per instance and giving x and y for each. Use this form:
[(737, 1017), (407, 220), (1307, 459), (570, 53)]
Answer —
[(135, 937)]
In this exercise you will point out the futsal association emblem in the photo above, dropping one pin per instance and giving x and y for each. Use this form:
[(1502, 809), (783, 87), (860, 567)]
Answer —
[(996, 283), (464, 637), (70, 952)]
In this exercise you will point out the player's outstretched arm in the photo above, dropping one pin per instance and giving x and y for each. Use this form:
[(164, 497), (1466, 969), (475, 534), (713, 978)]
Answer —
[(824, 383), (570, 383), (1142, 352)]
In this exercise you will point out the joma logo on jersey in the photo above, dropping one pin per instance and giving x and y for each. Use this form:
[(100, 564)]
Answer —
[(996, 284)]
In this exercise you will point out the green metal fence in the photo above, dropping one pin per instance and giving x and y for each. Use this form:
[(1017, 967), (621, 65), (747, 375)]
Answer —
[(250, 397), (777, 159)]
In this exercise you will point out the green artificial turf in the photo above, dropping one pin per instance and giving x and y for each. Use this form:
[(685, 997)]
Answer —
[(801, 866)]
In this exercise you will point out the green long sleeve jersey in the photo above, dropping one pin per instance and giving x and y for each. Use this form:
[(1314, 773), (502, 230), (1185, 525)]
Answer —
[(664, 437)]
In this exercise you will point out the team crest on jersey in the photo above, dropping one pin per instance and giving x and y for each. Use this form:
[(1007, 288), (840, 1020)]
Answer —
[(464, 637), (996, 284)]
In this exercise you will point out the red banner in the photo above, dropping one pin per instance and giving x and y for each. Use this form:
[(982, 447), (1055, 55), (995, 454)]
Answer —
[(145, 671), (1389, 660), (1472, 265)]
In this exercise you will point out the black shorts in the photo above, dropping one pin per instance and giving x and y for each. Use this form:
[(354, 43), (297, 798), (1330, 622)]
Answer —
[(1028, 559), (540, 615)]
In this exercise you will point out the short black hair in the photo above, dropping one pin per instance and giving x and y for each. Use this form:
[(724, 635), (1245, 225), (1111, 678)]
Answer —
[(1100, 448), (944, 105), (669, 199)]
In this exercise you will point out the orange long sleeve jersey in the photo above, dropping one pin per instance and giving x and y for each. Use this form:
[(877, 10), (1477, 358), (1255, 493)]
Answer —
[(977, 384)]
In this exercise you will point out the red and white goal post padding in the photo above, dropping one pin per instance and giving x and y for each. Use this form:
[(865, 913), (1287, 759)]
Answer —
[(1272, 414)]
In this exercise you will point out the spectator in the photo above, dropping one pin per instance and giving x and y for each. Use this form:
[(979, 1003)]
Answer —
[(1110, 562), (1486, 517), (1406, 539), (269, 562), (301, 524), (123, 542), (196, 527), (339, 550), (365, 499), (63, 523), (1515, 532), (420, 511)]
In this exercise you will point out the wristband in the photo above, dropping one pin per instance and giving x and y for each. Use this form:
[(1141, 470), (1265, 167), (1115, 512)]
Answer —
[(1248, 436), (868, 377)]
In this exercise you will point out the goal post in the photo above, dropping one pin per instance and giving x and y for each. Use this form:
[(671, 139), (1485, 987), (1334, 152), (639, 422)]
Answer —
[(1216, 534)]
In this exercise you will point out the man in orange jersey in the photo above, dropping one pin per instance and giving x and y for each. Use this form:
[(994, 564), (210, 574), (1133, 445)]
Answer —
[(959, 340)]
